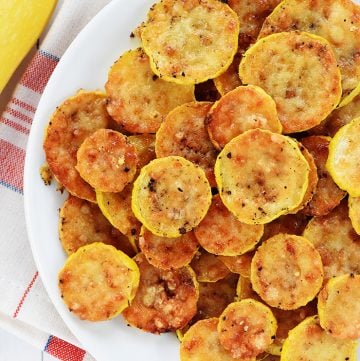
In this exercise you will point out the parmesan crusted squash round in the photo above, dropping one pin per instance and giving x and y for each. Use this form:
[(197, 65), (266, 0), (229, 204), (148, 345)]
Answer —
[(261, 175), (190, 41), (171, 196), (299, 70)]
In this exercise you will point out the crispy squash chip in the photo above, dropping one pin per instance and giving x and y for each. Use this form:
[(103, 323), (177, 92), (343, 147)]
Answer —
[(339, 307), (327, 194), (308, 341), (82, 223), (222, 234), (338, 21), (145, 148), (337, 242), (190, 41), (165, 300), (354, 213), (246, 328), (171, 196), (201, 343), (74, 120), (183, 133), (261, 175), (98, 282), (244, 108), (116, 207), (299, 70), (107, 161), (137, 99), (168, 253), (238, 264), (208, 267), (286, 271), (343, 161)]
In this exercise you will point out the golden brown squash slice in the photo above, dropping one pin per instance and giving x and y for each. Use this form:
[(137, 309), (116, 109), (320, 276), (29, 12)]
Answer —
[(82, 223), (338, 21), (337, 242), (339, 307), (327, 194), (98, 282), (222, 234), (183, 133), (75, 119), (238, 264), (201, 343), (107, 161), (244, 108), (343, 161), (171, 196), (145, 148), (165, 300), (246, 328), (168, 253), (261, 175), (308, 341), (137, 99), (189, 41), (286, 271), (299, 70), (354, 213)]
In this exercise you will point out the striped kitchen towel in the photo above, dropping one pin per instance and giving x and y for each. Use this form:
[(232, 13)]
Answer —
[(25, 309)]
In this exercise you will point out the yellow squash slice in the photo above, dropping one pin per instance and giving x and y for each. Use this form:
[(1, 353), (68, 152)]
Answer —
[(171, 196), (338, 21), (337, 242), (339, 307), (222, 234), (261, 175), (145, 148), (116, 207), (246, 328), (327, 194), (244, 108), (183, 133), (354, 213), (165, 300), (299, 70), (308, 341), (344, 154), (208, 267), (107, 161), (98, 282), (190, 41), (238, 264), (82, 223), (137, 99), (201, 343), (286, 271), (74, 120), (168, 253)]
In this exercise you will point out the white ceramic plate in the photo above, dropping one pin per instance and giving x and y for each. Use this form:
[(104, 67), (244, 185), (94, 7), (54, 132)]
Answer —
[(84, 65)]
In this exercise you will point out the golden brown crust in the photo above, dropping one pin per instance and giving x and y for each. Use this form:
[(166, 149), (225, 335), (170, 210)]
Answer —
[(286, 271), (238, 264), (244, 108), (208, 267), (98, 281), (74, 120), (327, 194), (183, 133), (145, 148), (137, 98), (107, 161), (337, 242), (246, 328), (287, 65), (222, 234), (82, 223), (168, 253), (165, 300)]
